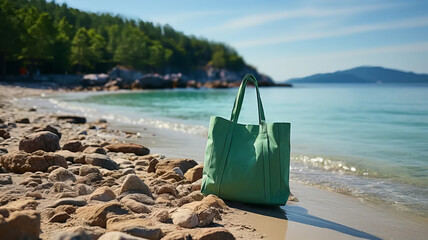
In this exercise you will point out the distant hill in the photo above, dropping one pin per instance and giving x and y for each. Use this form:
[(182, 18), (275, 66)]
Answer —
[(364, 74)]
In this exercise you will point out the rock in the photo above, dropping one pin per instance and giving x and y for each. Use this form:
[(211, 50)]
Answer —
[(97, 215), (100, 160), (162, 216), (69, 201), (127, 171), (135, 206), (5, 179), (60, 187), (73, 146), (65, 208), (90, 179), (22, 204), (168, 189), (73, 235), (178, 171), (139, 197), (61, 175), (128, 148), (44, 140), (141, 163), (152, 165), (4, 134), (21, 225), (87, 169), (167, 165), (194, 173), (50, 128), (104, 194), (23, 120), (178, 236), (60, 217), (184, 217), (218, 233), (72, 119), (194, 196), (138, 227), (133, 184), (83, 189), (215, 202), (118, 236), (35, 195), (99, 150), (292, 198), (172, 175), (74, 157)]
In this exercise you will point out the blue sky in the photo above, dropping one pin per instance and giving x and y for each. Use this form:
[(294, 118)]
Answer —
[(287, 39)]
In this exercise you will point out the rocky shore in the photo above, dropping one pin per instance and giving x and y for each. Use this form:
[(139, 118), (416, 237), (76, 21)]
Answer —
[(124, 78), (62, 177)]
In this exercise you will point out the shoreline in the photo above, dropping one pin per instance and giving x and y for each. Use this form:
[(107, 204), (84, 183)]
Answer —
[(311, 217)]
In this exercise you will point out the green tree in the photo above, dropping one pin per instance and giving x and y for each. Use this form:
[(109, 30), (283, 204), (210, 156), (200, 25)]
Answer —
[(81, 49), (38, 37), (132, 49), (62, 47), (97, 47), (218, 59)]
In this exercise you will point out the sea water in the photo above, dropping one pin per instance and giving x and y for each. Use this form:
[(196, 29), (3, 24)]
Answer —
[(368, 141)]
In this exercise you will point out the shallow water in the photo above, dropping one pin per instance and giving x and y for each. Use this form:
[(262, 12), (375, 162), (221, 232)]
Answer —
[(369, 141)]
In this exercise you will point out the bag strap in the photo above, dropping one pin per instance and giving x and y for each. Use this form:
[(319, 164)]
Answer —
[(240, 97)]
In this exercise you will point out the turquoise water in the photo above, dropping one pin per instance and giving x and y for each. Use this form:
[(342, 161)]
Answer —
[(369, 141)]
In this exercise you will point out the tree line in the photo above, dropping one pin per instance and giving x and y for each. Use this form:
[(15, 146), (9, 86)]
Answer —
[(52, 38)]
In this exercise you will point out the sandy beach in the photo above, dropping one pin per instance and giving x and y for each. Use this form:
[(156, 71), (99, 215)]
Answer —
[(175, 198)]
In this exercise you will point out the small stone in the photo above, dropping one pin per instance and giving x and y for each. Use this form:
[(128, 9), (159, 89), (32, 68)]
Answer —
[(135, 206), (50, 128), (65, 208), (97, 215), (61, 175), (23, 120), (177, 236), (72, 119), (4, 134), (87, 169), (104, 194), (133, 184), (162, 216), (128, 148), (119, 236), (100, 160), (168, 189), (172, 175), (73, 146), (178, 171), (60, 217), (127, 171), (99, 150), (138, 227), (139, 197), (167, 165), (83, 189), (44, 140), (69, 201), (185, 218), (218, 233), (152, 165), (194, 173), (5, 179), (22, 204)]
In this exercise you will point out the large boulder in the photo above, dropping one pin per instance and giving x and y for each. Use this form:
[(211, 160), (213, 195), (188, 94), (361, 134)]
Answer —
[(138, 227), (21, 162), (169, 164), (133, 184), (21, 225), (128, 148), (44, 140), (101, 160)]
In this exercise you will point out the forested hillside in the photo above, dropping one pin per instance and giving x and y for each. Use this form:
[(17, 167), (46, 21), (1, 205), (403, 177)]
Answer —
[(46, 37)]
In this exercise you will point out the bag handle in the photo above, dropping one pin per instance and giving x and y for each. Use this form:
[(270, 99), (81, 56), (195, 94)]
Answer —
[(240, 97)]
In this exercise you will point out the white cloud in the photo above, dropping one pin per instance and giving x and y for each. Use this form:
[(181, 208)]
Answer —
[(262, 19), (350, 30)]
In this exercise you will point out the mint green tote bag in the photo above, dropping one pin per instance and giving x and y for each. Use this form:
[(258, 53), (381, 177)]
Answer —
[(247, 163)]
